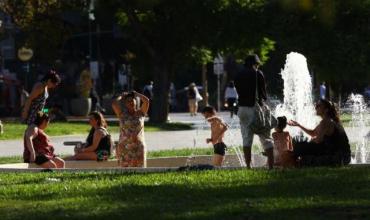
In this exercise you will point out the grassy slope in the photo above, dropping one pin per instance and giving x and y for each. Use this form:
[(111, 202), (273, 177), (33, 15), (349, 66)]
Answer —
[(13, 130), (325, 193)]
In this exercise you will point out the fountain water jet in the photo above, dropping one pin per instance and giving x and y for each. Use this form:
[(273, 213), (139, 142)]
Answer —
[(298, 101), (358, 123)]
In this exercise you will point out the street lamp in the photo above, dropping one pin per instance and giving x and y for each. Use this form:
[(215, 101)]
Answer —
[(218, 68), (91, 18)]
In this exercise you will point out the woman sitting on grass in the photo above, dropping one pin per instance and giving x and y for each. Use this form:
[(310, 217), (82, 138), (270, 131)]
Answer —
[(98, 142), (131, 146), (37, 148), (329, 144)]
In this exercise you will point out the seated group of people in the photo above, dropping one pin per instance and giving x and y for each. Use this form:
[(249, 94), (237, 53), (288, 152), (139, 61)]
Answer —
[(329, 144), (131, 147), (38, 149)]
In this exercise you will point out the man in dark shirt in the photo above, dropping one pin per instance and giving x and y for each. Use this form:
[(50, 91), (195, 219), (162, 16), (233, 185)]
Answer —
[(249, 83)]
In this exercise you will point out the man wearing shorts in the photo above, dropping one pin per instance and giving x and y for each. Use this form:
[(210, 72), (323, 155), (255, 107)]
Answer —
[(249, 82)]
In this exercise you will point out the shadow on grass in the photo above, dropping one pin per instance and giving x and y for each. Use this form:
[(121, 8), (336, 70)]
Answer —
[(323, 193)]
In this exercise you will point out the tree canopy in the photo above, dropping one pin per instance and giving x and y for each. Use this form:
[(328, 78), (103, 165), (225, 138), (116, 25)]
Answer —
[(165, 35)]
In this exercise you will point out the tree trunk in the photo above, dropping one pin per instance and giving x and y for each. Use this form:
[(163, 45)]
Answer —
[(160, 106), (205, 84), (340, 96)]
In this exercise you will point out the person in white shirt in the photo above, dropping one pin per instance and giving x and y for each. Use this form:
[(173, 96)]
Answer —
[(323, 91), (231, 98)]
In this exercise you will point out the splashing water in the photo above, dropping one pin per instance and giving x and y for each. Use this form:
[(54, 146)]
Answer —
[(199, 128), (298, 101), (358, 124), (230, 138)]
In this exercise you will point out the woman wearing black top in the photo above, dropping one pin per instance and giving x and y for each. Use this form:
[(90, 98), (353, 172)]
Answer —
[(98, 142), (329, 144)]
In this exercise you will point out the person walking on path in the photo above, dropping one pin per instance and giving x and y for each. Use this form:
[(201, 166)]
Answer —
[(131, 145), (193, 98), (37, 99), (323, 90), (251, 87), (231, 98)]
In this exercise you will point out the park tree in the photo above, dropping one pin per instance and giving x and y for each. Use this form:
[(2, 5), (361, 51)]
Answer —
[(42, 23), (169, 32), (332, 34), (163, 34)]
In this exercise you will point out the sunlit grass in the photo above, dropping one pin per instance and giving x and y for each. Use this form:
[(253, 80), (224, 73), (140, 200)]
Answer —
[(15, 130), (321, 193)]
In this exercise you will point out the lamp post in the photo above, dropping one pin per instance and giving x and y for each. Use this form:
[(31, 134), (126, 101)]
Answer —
[(25, 55), (218, 68), (2, 55), (91, 18)]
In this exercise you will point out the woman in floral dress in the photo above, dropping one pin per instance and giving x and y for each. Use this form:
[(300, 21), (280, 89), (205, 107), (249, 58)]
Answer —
[(131, 146)]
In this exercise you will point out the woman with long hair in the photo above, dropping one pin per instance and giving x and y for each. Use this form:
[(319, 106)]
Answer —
[(98, 142), (37, 99), (131, 145), (328, 140)]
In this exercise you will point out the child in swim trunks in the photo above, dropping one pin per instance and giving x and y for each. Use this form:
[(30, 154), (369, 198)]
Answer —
[(218, 128), (283, 144)]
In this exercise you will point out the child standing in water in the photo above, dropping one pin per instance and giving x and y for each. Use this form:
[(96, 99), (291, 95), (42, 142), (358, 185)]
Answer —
[(283, 144), (218, 128)]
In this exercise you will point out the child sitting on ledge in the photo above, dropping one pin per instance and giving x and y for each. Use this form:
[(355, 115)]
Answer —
[(37, 148)]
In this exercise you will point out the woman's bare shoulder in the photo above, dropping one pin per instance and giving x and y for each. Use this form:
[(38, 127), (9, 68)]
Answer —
[(32, 130), (99, 132), (38, 86)]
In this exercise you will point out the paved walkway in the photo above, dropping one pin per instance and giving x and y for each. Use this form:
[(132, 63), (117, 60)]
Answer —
[(164, 139)]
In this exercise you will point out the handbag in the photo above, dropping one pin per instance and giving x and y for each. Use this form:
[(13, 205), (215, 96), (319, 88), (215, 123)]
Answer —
[(263, 120), (198, 97)]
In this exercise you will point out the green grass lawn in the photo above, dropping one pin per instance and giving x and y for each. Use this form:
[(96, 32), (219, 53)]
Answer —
[(14, 130), (320, 193), (150, 154)]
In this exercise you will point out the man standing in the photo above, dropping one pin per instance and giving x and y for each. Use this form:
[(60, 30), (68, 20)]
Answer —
[(323, 91), (251, 87)]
